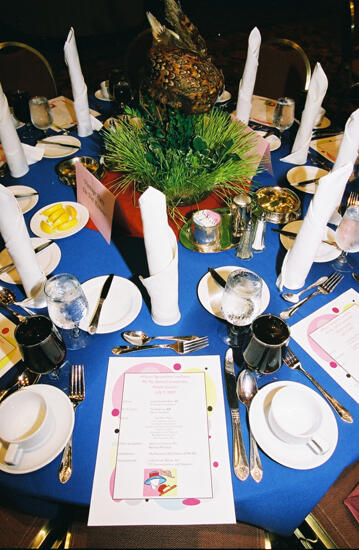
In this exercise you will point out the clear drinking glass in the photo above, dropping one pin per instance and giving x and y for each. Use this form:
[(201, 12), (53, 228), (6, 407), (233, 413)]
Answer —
[(241, 303), (67, 306), (40, 112), (347, 237), (283, 116)]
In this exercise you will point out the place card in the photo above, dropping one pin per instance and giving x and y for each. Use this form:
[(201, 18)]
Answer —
[(176, 461), (163, 442), (99, 201), (331, 336), (9, 351)]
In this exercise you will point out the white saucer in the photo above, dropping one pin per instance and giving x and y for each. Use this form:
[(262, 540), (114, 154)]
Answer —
[(324, 123), (210, 293), (325, 252), (304, 173), (121, 307), (27, 203), (48, 259), (299, 457), (273, 140), (63, 412), (82, 216), (98, 95), (56, 151), (225, 96)]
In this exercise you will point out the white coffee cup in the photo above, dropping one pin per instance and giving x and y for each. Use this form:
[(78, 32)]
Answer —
[(295, 417), (319, 116), (26, 422), (105, 89)]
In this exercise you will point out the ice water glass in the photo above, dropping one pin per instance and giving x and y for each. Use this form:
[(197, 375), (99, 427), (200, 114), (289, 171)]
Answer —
[(67, 306), (40, 112), (283, 116), (347, 237)]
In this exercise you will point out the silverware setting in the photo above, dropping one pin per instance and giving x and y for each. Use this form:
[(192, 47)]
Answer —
[(139, 338), (240, 461), (246, 390), (103, 295), (76, 396), (294, 297), (181, 347), (353, 199), (292, 361), (324, 288)]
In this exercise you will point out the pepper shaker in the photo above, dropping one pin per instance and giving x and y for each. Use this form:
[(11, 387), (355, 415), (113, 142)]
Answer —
[(244, 248)]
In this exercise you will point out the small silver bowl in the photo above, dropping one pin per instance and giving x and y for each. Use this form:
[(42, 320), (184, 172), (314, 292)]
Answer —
[(281, 205), (66, 169)]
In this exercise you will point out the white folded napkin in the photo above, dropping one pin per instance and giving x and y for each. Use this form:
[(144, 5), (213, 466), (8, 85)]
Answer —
[(316, 93), (17, 241), (79, 88), (246, 85), (162, 258), (300, 257), (15, 156), (348, 152), (32, 154)]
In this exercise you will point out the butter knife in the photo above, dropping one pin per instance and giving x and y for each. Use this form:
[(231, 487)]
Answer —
[(305, 182), (26, 195), (293, 235), (217, 277), (96, 316), (59, 144), (240, 461), (11, 266)]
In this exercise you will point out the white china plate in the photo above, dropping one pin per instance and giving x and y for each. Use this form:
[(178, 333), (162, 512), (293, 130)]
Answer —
[(28, 203), (63, 412), (48, 259), (299, 457), (82, 216), (273, 140), (324, 123), (325, 252), (304, 173), (121, 307), (56, 151), (210, 293), (98, 95)]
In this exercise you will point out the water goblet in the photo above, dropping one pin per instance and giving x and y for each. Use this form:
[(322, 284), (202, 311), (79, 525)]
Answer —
[(283, 116), (67, 306), (347, 237), (20, 104), (42, 347), (40, 112), (241, 303)]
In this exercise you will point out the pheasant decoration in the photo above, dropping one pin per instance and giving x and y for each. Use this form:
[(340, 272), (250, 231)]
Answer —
[(180, 73)]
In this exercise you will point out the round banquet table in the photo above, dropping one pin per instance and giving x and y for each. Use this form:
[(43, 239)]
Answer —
[(285, 496)]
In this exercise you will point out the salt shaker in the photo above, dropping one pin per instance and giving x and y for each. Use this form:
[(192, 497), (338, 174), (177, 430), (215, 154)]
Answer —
[(240, 209), (258, 243), (244, 248)]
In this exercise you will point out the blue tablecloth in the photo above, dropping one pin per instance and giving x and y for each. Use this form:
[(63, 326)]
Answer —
[(285, 496)]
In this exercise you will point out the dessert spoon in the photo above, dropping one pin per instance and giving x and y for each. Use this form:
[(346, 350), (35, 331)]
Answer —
[(294, 297), (139, 338), (7, 297)]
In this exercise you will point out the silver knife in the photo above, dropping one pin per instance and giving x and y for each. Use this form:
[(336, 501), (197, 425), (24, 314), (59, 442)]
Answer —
[(67, 145), (11, 266), (96, 316), (240, 461), (293, 235), (306, 182), (26, 195)]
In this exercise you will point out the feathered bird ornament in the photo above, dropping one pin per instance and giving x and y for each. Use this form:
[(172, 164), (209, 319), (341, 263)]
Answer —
[(180, 73)]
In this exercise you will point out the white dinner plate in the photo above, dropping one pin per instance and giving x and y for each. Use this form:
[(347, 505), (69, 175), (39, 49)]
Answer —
[(82, 216), (304, 173), (48, 259), (63, 413), (56, 151), (299, 457), (273, 140), (25, 204), (325, 252), (121, 307), (210, 293), (98, 95)]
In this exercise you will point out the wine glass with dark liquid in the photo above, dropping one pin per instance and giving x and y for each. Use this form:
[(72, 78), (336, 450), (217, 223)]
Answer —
[(21, 109)]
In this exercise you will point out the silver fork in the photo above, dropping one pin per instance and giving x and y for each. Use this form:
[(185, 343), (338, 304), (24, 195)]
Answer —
[(76, 396), (292, 361), (178, 347), (353, 199), (325, 288)]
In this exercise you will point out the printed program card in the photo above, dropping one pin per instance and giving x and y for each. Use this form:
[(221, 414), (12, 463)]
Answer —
[(163, 444), (195, 466), (9, 351), (331, 336)]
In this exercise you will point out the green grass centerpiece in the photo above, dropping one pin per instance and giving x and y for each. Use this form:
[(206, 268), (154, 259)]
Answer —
[(187, 157)]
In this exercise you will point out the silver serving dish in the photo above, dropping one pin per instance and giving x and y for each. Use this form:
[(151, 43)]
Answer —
[(281, 205), (66, 169)]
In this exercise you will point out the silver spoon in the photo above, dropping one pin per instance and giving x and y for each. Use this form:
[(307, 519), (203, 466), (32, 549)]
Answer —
[(294, 297), (7, 297), (356, 277), (246, 390), (139, 338), (26, 378)]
